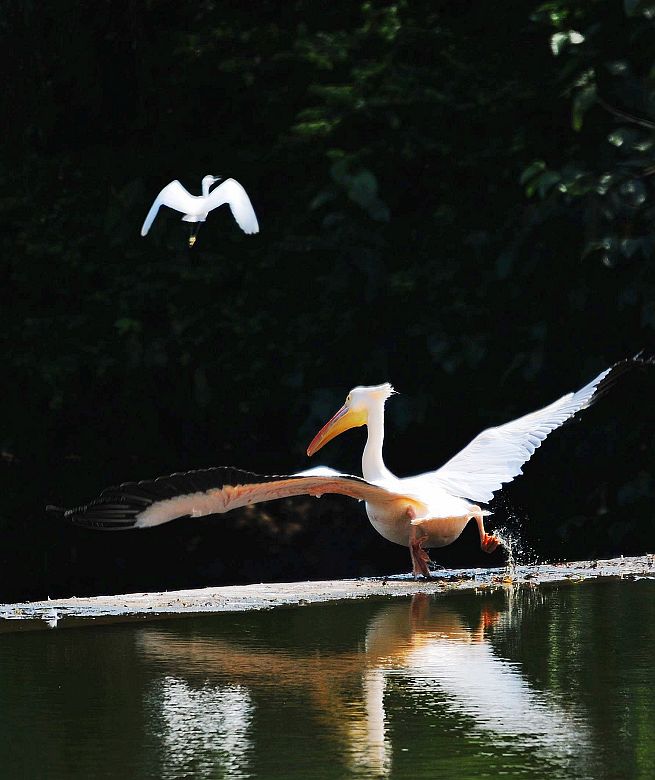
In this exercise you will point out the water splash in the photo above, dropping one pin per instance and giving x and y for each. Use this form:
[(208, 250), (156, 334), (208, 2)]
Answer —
[(510, 544), (518, 551)]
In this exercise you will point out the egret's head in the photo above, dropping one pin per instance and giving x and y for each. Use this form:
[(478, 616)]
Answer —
[(352, 414), (207, 181)]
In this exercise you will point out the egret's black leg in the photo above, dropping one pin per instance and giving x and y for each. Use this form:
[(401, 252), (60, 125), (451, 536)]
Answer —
[(195, 227)]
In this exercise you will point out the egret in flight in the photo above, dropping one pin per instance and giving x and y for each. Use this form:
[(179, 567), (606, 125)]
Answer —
[(420, 512), (197, 207)]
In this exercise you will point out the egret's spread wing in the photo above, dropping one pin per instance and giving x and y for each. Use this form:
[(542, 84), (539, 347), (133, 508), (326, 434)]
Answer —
[(496, 455), (174, 196), (231, 192), (208, 492)]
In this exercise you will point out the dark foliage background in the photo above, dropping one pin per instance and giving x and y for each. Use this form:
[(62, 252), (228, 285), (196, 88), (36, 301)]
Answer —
[(456, 197)]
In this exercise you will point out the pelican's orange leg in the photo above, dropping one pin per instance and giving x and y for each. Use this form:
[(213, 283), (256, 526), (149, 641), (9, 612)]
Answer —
[(420, 559), (419, 610), (488, 542)]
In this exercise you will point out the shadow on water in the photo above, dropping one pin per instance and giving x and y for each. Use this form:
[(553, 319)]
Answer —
[(524, 682)]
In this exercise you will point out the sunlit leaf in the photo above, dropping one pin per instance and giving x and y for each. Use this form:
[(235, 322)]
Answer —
[(634, 191), (557, 41), (560, 39)]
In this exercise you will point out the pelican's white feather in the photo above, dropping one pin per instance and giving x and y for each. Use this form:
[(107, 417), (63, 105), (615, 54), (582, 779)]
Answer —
[(496, 455), (320, 471)]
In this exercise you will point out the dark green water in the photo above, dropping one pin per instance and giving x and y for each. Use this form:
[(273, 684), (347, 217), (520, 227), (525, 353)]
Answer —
[(556, 683)]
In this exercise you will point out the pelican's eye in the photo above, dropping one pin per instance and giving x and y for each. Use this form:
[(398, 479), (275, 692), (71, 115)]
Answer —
[(349, 398)]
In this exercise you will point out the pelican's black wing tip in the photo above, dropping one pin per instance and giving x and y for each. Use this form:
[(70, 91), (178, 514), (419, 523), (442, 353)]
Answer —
[(642, 359), (101, 513)]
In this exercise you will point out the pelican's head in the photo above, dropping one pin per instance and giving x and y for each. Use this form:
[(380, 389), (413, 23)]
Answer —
[(352, 414)]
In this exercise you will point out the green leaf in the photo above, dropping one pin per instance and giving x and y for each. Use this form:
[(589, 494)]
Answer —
[(126, 325), (362, 189), (617, 137), (546, 182), (582, 102), (639, 8), (542, 183), (538, 166)]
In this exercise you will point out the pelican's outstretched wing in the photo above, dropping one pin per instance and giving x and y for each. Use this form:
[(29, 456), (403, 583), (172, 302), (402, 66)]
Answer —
[(231, 192), (211, 491), (174, 196), (496, 455)]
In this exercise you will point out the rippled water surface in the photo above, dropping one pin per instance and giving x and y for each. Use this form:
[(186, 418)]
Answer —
[(556, 683)]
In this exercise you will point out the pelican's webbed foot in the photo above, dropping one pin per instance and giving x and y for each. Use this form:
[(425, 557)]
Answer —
[(488, 542), (420, 558)]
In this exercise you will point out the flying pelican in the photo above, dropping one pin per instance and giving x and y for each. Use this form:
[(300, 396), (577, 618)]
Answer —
[(425, 511), (197, 207)]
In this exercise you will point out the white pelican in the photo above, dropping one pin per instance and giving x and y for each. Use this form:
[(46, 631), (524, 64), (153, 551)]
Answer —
[(429, 510), (196, 207)]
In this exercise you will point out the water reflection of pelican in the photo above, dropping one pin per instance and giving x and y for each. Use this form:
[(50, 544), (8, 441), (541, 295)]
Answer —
[(202, 728), (445, 661), (426, 651), (210, 663)]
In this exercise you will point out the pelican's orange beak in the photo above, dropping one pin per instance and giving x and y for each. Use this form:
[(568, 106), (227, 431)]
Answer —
[(343, 420)]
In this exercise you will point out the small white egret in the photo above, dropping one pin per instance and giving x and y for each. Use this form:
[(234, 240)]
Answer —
[(429, 510), (196, 207)]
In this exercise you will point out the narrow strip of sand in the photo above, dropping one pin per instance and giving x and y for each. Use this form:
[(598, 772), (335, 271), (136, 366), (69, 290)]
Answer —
[(241, 598)]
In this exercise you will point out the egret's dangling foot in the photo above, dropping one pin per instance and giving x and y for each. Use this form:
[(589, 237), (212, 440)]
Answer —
[(193, 234)]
